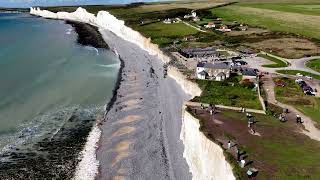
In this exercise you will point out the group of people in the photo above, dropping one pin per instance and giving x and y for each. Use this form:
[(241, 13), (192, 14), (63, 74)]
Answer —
[(211, 108)]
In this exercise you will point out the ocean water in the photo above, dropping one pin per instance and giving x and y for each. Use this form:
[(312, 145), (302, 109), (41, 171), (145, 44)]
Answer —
[(52, 90)]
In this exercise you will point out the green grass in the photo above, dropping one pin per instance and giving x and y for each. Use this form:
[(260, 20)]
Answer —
[(281, 151), (224, 93), (309, 9), (292, 94), (314, 64), (290, 22), (164, 34), (277, 62), (294, 72), (280, 148)]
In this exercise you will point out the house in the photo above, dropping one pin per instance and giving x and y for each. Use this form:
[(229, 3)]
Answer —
[(192, 15), (224, 28), (210, 25), (213, 71), (167, 21)]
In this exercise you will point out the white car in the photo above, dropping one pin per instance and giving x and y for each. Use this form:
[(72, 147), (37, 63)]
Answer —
[(298, 80), (308, 77), (299, 75)]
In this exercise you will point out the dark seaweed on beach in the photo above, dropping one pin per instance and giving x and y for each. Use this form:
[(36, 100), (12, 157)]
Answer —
[(88, 35), (54, 157)]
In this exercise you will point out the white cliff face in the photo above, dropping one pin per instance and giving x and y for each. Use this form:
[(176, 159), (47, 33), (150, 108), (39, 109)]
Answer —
[(205, 158)]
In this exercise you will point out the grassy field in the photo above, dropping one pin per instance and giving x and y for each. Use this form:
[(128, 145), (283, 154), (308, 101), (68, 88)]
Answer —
[(314, 64), (308, 9), (281, 152), (277, 62), (273, 19), (294, 72), (279, 149), (292, 94), (164, 34), (224, 93)]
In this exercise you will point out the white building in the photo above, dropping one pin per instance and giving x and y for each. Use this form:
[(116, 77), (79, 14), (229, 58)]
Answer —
[(216, 71)]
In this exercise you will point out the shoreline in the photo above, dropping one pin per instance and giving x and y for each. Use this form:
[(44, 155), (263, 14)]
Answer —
[(123, 143)]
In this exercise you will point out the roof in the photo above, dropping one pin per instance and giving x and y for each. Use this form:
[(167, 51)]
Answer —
[(249, 72), (216, 66), (203, 73), (221, 74)]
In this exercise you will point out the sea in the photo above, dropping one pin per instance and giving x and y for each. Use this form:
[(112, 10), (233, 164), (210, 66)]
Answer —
[(52, 91)]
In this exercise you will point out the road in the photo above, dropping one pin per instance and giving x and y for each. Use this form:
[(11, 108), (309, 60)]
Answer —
[(295, 64), (310, 129), (140, 137)]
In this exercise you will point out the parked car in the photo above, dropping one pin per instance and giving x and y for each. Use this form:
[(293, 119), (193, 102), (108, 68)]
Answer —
[(308, 77), (309, 93)]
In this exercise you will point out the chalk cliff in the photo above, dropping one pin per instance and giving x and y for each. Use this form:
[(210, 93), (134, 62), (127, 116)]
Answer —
[(205, 158)]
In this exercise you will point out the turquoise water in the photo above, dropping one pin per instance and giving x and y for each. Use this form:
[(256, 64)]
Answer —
[(46, 77)]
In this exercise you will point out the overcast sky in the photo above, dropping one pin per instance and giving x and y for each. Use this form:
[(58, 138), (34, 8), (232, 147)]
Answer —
[(29, 3)]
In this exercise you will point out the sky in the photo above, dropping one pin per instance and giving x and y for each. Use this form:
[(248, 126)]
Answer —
[(32, 3)]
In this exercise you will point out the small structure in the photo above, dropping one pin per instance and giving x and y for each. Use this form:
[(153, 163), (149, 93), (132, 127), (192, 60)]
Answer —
[(167, 21), (216, 71), (224, 28), (243, 27), (193, 14), (210, 25)]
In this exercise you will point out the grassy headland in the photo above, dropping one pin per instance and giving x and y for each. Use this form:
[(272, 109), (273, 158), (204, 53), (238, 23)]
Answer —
[(281, 152)]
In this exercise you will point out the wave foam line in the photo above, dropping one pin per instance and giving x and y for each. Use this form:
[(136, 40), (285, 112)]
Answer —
[(88, 166)]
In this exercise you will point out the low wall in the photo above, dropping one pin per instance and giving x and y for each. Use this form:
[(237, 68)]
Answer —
[(205, 158)]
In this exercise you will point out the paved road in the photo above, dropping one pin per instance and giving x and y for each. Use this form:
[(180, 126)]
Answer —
[(140, 138), (295, 64)]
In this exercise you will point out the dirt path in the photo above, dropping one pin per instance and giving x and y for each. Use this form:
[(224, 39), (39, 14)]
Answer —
[(310, 129)]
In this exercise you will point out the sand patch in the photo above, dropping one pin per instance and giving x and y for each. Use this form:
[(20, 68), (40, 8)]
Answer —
[(131, 102), (119, 157), (123, 146), (124, 131), (130, 118), (129, 108), (118, 178)]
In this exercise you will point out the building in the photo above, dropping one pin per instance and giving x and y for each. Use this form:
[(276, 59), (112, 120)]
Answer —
[(199, 52), (192, 15), (224, 28), (213, 71), (247, 73), (167, 21), (210, 25)]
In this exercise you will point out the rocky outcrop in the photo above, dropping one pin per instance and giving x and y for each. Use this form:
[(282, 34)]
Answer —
[(205, 158)]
